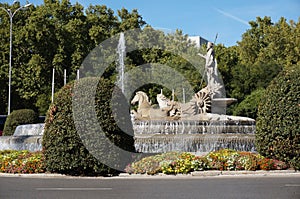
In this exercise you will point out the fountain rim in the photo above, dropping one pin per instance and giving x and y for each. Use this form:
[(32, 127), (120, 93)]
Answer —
[(197, 122)]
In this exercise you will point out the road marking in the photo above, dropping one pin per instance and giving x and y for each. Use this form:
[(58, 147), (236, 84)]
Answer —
[(71, 189), (292, 185)]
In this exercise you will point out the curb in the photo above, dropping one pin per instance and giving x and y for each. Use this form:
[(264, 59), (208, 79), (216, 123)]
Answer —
[(247, 173), (217, 174), (195, 174)]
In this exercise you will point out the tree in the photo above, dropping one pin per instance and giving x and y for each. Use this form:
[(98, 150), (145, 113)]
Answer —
[(59, 34), (265, 49), (18, 20), (227, 59), (268, 42), (169, 60), (102, 23), (56, 34), (248, 107), (130, 20)]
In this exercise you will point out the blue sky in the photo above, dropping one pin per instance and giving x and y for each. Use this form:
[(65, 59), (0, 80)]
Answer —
[(228, 18)]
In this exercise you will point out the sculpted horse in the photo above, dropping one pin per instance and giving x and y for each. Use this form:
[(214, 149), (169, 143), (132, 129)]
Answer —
[(145, 110)]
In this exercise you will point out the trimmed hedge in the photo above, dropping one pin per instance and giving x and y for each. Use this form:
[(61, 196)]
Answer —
[(19, 117), (63, 147), (278, 123)]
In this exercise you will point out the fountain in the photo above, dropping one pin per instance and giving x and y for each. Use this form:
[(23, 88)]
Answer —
[(197, 126), (121, 66), (198, 133), (26, 137), (193, 135)]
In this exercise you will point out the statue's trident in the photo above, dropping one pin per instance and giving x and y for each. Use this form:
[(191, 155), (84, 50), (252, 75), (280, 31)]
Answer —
[(216, 38)]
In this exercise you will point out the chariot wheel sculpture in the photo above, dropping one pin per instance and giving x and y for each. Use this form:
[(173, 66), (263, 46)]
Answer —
[(203, 101)]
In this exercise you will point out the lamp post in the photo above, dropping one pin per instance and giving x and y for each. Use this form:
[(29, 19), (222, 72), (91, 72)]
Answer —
[(11, 15)]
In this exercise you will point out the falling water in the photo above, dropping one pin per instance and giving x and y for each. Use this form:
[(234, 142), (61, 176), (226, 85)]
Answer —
[(121, 67), (26, 137), (220, 131), (193, 136)]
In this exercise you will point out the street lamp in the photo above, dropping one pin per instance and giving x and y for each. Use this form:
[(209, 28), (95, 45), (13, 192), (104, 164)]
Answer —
[(11, 15)]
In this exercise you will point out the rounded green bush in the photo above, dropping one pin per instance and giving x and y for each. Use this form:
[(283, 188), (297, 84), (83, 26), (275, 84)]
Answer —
[(19, 117), (63, 147), (248, 107), (278, 123)]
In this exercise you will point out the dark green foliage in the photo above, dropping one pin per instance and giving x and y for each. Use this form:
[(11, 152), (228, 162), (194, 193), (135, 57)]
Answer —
[(265, 49), (59, 34), (278, 124), (65, 151), (19, 117), (248, 78), (248, 107), (54, 34)]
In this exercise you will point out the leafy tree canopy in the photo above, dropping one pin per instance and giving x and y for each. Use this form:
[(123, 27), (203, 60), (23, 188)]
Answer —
[(59, 34)]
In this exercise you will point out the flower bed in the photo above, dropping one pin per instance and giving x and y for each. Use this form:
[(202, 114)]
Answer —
[(12, 161), (225, 159)]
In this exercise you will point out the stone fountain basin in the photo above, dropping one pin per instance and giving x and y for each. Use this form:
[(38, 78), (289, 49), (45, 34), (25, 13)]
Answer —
[(213, 133), (24, 142), (164, 127), (223, 101), (26, 137)]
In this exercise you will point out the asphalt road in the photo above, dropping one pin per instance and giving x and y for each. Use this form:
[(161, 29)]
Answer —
[(260, 187)]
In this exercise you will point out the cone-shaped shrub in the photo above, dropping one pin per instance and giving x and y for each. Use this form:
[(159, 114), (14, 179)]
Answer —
[(78, 149)]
